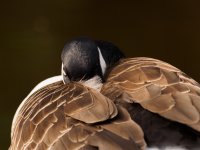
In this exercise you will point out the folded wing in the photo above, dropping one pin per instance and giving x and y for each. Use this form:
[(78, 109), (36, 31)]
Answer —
[(73, 117), (156, 86)]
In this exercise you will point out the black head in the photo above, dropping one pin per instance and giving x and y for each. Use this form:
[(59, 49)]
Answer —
[(84, 58)]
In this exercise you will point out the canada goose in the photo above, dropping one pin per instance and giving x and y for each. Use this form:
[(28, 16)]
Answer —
[(107, 102)]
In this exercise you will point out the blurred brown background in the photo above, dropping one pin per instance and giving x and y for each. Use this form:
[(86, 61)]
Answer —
[(32, 35)]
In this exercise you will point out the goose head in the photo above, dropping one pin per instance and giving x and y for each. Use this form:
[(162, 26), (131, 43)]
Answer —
[(85, 59)]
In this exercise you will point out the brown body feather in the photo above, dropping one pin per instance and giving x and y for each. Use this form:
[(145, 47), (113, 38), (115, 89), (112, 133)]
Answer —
[(157, 89), (73, 117), (158, 96)]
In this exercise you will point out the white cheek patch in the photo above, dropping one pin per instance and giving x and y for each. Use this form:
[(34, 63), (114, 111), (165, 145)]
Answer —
[(102, 61), (63, 73)]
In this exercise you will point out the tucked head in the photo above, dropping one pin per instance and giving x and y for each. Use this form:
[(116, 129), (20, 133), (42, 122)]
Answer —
[(83, 59)]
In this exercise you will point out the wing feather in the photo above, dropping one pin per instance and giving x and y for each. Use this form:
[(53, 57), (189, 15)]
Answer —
[(71, 117), (158, 87)]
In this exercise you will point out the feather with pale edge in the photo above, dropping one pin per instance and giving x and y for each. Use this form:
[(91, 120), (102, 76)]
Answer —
[(71, 117), (156, 86)]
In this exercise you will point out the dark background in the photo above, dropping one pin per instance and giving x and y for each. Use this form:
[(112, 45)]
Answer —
[(32, 35)]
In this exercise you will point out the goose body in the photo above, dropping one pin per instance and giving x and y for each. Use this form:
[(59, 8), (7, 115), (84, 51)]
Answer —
[(103, 101), (162, 99)]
